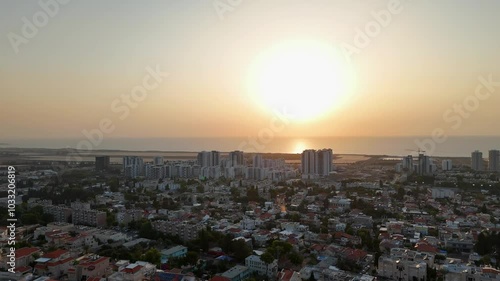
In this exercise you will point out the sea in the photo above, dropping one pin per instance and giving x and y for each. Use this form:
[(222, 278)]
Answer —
[(453, 146)]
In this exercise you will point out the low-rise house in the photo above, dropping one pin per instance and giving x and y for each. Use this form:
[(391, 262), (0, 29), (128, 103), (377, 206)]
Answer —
[(54, 264), (343, 239), (134, 272), (289, 275), (236, 273), (261, 237), (25, 256), (90, 266), (173, 252), (170, 275)]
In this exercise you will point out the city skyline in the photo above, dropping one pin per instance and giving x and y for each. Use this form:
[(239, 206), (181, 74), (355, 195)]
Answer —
[(222, 71), (232, 140)]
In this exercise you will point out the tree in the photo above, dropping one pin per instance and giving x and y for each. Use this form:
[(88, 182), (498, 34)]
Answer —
[(366, 238), (147, 231), (279, 249), (431, 273), (29, 218), (267, 258), (111, 219), (153, 256), (484, 209), (295, 217), (240, 249), (377, 257), (191, 257), (204, 238), (114, 184), (295, 258), (482, 245), (400, 193)]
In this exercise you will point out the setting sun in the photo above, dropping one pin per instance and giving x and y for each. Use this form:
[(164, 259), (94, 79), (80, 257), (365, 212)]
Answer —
[(299, 147), (308, 79)]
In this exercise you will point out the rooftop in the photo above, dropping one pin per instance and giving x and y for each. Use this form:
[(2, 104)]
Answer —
[(234, 271), (173, 250), (23, 252), (55, 254)]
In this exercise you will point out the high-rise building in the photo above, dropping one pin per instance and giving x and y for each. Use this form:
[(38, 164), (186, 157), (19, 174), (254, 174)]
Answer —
[(447, 165), (494, 161), (235, 158), (325, 160), (477, 161), (208, 158), (425, 165), (257, 161), (101, 163), (158, 160), (407, 163), (309, 163), (316, 163), (132, 166)]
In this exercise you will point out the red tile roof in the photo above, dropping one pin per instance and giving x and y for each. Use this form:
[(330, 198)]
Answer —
[(73, 239), (23, 252), (23, 269), (285, 275), (55, 254), (490, 270), (266, 216), (357, 255), (339, 235), (89, 262), (40, 266), (317, 247), (384, 235), (425, 247)]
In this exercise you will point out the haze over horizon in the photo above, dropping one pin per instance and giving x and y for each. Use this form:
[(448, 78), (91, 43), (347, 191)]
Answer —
[(228, 77)]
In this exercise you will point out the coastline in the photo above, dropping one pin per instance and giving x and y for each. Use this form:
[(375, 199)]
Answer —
[(7, 155)]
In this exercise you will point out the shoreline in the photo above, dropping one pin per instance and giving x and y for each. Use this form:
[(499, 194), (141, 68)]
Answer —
[(9, 155)]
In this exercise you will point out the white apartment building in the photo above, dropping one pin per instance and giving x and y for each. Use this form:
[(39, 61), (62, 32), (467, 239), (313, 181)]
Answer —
[(403, 265), (257, 265)]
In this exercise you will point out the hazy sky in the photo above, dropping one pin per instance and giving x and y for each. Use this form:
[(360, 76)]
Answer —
[(426, 59)]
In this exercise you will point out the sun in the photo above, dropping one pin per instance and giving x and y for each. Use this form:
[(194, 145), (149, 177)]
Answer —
[(299, 147), (305, 79)]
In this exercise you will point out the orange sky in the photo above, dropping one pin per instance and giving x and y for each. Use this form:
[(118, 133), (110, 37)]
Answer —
[(66, 78)]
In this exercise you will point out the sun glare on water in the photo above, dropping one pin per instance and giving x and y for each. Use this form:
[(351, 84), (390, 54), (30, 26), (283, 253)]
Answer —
[(305, 79)]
